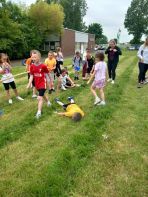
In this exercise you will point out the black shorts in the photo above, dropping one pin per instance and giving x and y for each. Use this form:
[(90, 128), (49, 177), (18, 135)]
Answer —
[(41, 92), (33, 84), (89, 69), (12, 84)]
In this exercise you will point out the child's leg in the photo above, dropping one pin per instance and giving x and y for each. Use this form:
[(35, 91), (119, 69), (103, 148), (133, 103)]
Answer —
[(8, 94), (47, 100), (40, 104), (93, 90), (102, 96), (60, 103)]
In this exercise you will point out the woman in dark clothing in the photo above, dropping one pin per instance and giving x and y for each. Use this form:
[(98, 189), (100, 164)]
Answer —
[(113, 52)]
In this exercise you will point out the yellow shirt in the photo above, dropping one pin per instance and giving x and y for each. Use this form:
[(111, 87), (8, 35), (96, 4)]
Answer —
[(73, 108), (50, 63)]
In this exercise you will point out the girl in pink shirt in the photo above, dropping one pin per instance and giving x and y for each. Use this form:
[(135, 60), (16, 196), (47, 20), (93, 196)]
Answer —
[(99, 76)]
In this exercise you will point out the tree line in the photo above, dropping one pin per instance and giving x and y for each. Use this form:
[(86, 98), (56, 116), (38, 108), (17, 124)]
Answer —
[(26, 27)]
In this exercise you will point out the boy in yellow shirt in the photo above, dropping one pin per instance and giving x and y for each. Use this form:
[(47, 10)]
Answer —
[(71, 109), (50, 62)]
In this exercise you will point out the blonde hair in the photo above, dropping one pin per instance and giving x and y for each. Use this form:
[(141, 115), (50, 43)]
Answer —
[(146, 41), (2, 55), (36, 52)]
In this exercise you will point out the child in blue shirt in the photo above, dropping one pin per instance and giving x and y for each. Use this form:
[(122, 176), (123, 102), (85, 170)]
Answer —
[(77, 61)]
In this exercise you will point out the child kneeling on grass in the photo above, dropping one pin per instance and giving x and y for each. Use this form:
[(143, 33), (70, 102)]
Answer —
[(100, 72), (66, 81), (38, 72), (71, 109)]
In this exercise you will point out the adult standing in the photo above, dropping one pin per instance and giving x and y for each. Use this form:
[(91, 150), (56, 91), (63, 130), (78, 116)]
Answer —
[(143, 62), (113, 52)]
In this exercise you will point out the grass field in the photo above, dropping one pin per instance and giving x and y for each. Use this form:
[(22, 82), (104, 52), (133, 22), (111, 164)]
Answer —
[(55, 157)]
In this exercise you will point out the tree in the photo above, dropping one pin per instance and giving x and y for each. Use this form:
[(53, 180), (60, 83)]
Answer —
[(103, 40), (48, 18), (96, 29), (136, 19)]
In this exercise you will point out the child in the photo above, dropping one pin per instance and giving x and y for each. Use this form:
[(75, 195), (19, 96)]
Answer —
[(38, 72), (59, 58), (77, 61), (90, 62), (66, 81), (72, 110), (50, 62), (100, 79), (28, 64), (7, 77)]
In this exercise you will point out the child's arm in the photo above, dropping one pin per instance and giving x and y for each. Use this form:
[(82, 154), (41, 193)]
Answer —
[(92, 76), (72, 83), (30, 82), (61, 113)]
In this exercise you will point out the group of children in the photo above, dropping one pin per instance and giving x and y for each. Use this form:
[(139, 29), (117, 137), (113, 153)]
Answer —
[(42, 75)]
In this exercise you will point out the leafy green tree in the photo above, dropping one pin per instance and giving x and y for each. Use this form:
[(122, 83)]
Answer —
[(102, 40), (96, 29), (136, 19), (48, 18)]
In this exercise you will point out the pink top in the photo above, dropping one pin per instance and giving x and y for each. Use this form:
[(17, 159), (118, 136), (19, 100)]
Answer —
[(100, 68)]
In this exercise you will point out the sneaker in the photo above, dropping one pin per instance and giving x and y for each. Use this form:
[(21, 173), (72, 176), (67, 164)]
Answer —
[(98, 100), (19, 98), (38, 115), (63, 88), (109, 80), (112, 82), (102, 103), (69, 98), (140, 85), (10, 101), (49, 91), (57, 99), (34, 96), (48, 104)]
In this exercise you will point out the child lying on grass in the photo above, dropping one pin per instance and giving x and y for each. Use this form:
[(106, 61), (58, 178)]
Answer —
[(71, 109)]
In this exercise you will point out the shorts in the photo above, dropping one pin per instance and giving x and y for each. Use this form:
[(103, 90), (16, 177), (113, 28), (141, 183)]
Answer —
[(60, 62), (41, 92), (12, 84), (51, 76), (89, 69), (99, 84), (77, 68), (33, 84)]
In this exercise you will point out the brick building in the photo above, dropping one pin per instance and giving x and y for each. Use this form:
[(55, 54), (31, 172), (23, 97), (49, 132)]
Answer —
[(70, 41)]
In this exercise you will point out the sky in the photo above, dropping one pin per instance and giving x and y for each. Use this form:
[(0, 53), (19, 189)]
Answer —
[(109, 13)]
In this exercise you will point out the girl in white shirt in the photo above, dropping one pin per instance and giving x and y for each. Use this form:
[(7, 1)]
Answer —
[(143, 62), (7, 77)]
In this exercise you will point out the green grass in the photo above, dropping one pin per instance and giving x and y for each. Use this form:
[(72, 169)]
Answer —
[(56, 157)]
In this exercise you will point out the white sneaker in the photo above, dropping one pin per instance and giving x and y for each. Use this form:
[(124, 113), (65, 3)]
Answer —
[(10, 101), (48, 104), (97, 101), (34, 96), (19, 98), (112, 82), (102, 103), (109, 80), (38, 115), (63, 88)]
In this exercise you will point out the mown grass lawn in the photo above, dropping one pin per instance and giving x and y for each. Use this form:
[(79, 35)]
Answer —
[(55, 157)]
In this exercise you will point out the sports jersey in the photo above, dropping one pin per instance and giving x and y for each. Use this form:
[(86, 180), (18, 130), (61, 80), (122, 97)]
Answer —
[(73, 108), (38, 72), (51, 63)]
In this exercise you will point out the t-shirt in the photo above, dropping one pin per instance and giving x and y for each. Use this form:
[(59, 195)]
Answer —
[(73, 108), (38, 72), (7, 77), (143, 54), (63, 79), (50, 63), (100, 69), (59, 57)]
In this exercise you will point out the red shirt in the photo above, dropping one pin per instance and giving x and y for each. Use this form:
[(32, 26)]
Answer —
[(38, 72)]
